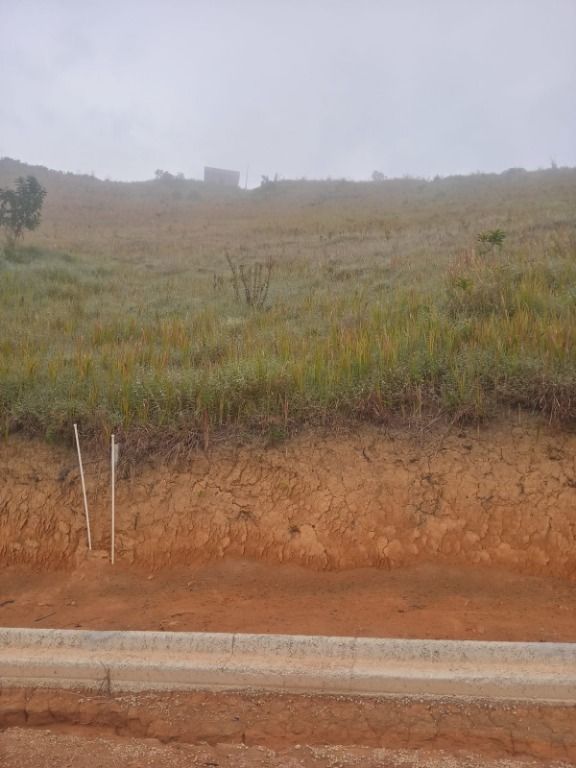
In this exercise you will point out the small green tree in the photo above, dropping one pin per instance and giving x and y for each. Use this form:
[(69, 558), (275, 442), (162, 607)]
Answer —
[(21, 208)]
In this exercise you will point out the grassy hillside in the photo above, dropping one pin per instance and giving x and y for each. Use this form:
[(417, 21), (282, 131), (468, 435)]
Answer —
[(121, 313)]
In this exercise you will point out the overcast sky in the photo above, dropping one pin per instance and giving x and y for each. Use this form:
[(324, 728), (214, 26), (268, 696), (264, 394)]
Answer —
[(311, 88)]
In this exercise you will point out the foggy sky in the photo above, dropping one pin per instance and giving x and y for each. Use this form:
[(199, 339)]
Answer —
[(295, 87)]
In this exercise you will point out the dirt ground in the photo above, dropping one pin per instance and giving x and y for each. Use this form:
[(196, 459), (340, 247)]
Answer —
[(500, 497), (421, 601), (45, 749)]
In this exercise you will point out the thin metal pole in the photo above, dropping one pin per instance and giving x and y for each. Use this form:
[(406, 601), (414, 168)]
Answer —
[(113, 463), (83, 487)]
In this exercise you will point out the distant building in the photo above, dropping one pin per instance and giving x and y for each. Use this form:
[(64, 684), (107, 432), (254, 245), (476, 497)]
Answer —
[(220, 177)]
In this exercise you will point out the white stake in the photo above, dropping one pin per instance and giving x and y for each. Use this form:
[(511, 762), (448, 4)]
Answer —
[(83, 487), (113, 473)]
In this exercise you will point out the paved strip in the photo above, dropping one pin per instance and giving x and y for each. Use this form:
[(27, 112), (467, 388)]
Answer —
[(118, 662)]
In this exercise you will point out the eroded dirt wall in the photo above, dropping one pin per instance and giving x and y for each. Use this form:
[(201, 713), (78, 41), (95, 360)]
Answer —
[(503, 495), (544, 730)]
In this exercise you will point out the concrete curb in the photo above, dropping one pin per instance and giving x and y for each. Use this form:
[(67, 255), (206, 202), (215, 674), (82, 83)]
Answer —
[(115, 662)]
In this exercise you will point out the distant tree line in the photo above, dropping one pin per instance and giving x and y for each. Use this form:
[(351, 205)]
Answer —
[(161, 175)]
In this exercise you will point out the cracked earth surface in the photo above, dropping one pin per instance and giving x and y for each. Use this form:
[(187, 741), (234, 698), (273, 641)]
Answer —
[(504, 496), (283, 721)]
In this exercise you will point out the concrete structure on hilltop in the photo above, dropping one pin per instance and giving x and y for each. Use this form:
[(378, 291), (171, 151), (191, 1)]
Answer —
[(221, 177)]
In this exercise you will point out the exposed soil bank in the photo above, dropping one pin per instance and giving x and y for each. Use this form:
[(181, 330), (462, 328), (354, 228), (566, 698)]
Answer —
[(503, 496), (543, 731), (81, 748), (425, 600)]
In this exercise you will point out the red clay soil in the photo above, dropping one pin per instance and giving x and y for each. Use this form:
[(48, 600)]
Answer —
[(495, 729), (503, 496), (45, 749), (421, 601)]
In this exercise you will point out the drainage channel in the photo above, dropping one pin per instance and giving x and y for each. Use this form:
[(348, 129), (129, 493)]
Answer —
[(121, 662)]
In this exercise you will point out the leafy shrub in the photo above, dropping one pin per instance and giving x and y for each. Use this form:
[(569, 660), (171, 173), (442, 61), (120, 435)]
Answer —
[(492, 238)]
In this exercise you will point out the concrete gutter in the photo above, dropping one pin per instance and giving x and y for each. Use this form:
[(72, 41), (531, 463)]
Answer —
[(115, 662)]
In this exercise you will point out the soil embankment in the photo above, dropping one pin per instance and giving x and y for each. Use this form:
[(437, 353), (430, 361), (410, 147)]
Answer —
[(501, 496), (459, 533), (542, 730), (44, 748)]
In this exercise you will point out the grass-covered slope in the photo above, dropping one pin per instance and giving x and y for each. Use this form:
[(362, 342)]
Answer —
[(121, 313)]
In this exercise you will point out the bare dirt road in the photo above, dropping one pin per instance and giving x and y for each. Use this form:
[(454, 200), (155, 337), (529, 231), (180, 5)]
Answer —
[(422, 601)]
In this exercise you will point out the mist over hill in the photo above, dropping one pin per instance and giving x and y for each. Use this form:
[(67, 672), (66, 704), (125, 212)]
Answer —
[(64, 185)]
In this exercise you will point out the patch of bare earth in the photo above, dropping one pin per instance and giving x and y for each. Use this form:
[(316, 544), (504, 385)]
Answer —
[(419, 601), (21, 748), (451, 533)]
